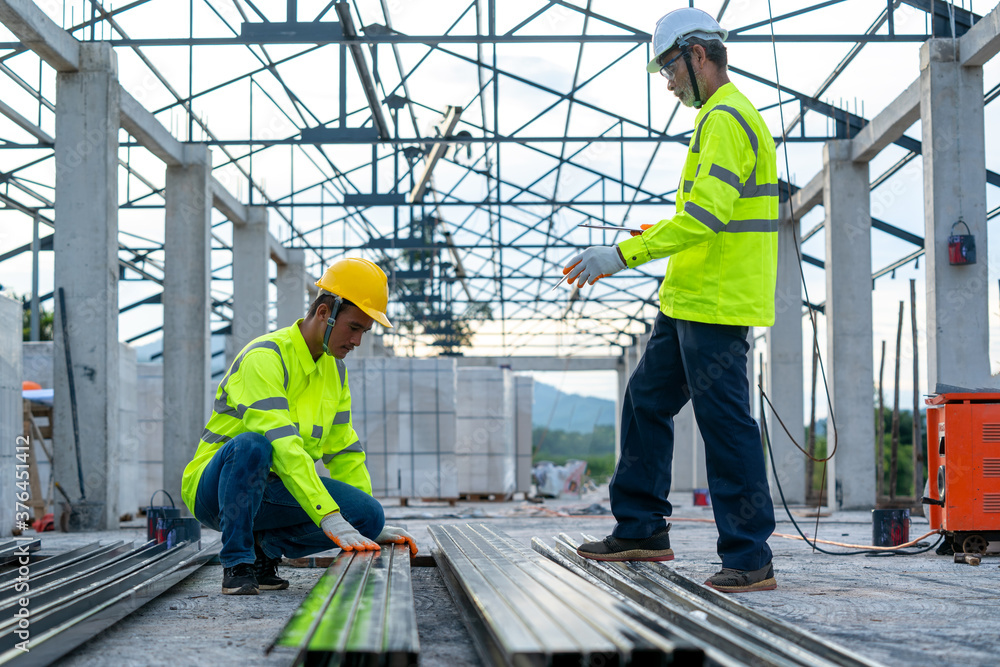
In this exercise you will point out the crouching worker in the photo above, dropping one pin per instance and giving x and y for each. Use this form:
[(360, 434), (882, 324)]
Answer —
[(283, 405)]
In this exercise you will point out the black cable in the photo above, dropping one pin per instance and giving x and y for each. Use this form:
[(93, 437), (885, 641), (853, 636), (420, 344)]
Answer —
[(813, 544)]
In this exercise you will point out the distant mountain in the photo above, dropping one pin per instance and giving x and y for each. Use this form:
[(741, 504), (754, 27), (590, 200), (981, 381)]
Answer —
[(570, 412)]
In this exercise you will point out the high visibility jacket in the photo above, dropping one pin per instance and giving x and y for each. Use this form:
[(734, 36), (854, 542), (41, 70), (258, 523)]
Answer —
[(302, 406), (722, 240)]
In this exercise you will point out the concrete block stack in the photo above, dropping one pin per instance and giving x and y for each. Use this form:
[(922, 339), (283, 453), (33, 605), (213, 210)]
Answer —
[(485, 449), (127, 453), (404, 411), (11, 333), (149, 408), (524, 397)]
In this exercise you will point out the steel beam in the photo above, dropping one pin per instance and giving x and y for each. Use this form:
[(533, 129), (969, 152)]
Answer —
[(353, 42), (437, 151), (359, 612)]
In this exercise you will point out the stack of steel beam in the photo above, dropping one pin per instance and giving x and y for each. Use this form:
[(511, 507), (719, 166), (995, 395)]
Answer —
[(73, 596), (360, 612), (522, 609), (729, 632), (13, 550)]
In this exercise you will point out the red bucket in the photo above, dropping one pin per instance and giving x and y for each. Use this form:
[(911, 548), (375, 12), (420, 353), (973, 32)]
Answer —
[(702, 498)]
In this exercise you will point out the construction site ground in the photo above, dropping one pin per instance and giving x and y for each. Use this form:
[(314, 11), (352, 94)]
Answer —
[(898, 610)]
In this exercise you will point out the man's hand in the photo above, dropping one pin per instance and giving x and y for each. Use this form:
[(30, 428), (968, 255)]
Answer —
[(643, 227), (593, 264), (344, 534), (397, 536)]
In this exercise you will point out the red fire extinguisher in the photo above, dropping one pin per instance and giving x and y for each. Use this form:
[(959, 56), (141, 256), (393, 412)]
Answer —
[(961, 247)]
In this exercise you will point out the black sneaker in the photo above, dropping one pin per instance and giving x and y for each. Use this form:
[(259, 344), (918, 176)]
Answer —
[(266, 570), (729, 580), (239, 580), (655, 547)]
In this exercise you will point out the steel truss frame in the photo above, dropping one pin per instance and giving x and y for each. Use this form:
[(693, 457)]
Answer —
[(487, 240)]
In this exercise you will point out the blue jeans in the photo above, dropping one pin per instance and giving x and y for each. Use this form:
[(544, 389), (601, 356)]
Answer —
[(239, 496), (706, 363)]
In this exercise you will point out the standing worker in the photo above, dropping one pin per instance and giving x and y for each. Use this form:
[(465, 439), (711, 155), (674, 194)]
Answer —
[(722, 242), (283, 405)]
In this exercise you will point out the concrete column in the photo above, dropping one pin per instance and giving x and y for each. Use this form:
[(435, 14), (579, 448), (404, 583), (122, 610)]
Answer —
[(954, 157), (784, 366), (86, 268), (850, 369), (291, 283), (251, 268), (187, 354)]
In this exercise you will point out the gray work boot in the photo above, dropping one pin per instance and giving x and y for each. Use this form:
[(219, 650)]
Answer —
[(656, 547), (729, 580)]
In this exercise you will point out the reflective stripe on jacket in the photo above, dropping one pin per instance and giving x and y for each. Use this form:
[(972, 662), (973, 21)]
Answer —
[(722, 240), (302, 406)]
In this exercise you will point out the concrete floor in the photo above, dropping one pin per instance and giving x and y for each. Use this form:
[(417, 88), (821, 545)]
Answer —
[(918, 610)]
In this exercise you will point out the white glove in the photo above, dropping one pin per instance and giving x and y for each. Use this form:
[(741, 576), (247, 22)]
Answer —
[(344, 535), (397, 536), (593, 264)]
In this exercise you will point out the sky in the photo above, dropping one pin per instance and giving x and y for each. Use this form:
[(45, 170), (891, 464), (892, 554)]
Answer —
[(871, 81)]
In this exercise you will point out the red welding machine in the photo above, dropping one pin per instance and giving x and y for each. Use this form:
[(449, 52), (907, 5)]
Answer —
[(963, 468)]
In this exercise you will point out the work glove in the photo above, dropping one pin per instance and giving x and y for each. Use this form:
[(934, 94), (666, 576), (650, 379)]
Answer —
[(344, 535), (643, 227), (397, 536), (593, 264)]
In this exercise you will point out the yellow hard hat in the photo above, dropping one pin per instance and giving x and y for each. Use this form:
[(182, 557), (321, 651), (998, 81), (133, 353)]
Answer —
[(362, 283)]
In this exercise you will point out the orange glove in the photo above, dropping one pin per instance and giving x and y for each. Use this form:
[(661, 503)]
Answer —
[(394, 535), (643, 227), (344, 535)]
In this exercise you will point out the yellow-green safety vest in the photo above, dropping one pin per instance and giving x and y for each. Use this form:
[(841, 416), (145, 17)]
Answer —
[(723, 238), (302, 406)]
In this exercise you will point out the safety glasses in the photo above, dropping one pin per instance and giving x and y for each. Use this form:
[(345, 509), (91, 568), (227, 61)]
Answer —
[(668, 68)]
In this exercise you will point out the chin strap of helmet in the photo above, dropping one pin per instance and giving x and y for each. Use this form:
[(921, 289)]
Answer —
[(686, 52), (330, 321)]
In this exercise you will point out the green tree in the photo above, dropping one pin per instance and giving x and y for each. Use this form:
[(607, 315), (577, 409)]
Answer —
[(47, 324)]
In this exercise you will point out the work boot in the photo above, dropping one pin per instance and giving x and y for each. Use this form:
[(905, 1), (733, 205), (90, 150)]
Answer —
[(655, 547), (239, 580), (266, 570), (729, 580)]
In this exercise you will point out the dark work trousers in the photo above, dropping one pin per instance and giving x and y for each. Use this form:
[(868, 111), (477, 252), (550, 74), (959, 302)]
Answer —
[(706, 363), (239, 496)]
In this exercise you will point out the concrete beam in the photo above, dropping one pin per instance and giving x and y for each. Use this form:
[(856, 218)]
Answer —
[(888, 126), (149, 132), (847, 201), (227, 204), (952, 122), (982, 42), (187, 353), (86, 268), (545, 363), (808, 197), (276, 251), (41, 34)]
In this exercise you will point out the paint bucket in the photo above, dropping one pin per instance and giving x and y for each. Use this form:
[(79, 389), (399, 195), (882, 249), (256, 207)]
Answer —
[(890, 528), (156, 515), (180, 529), (702, 498)]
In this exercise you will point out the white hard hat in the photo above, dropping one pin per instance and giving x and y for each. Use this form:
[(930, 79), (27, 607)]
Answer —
[(686, 22)]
